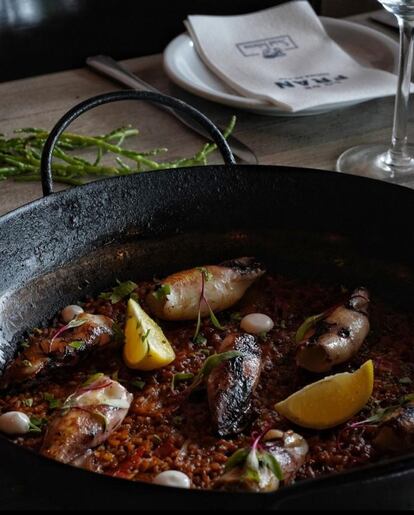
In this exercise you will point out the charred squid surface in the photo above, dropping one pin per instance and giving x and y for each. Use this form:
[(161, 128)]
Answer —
[(245, 267), (87, 419), (231, 385), (396, 432), (338, 336), (65, 349)]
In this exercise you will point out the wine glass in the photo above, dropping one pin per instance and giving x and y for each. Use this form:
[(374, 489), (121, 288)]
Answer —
[(395, 162)]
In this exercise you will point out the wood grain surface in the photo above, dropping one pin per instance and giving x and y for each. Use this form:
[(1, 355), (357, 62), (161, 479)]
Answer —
[(311, 142)]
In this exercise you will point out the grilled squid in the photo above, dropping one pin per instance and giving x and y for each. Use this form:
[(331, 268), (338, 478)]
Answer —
[(81, 335), (222, 286), (338, 336), (396, 432), (86, 420), (231, 385), (255, 473)]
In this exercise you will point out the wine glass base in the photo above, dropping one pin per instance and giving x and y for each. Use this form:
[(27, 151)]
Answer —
[(371, 161)]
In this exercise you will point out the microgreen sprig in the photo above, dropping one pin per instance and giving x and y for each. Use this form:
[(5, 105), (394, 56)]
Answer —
[(252, 460), (206, 276), (119, 292), (382, 413), (210, 364)]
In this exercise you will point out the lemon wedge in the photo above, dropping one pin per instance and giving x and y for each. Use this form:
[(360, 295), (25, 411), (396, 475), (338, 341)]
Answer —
[(146, 346), (331, 401)]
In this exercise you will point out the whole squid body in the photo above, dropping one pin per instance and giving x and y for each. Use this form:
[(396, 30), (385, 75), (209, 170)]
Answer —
[(69, 344), (337, 336), (396, 431), (231, 385), (289, 449), (86, 420), (221, 287)]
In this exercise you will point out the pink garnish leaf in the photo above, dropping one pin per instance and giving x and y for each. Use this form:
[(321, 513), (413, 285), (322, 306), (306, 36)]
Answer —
[(71, 325)]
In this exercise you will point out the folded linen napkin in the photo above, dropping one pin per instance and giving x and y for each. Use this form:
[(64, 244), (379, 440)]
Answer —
[(284, 56)]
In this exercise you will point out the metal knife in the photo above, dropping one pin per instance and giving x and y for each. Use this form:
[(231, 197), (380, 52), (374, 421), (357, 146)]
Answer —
[(111, 68)]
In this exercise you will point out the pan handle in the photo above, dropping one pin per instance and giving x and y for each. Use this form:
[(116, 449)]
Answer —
[(107, 98)]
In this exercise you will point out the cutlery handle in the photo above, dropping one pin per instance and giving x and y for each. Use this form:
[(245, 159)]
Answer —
[(109, 67)]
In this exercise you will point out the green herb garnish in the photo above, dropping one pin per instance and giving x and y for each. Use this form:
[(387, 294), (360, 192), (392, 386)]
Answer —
[(53, 403), (200, 339), (93, 378), (37, 424), (77, 345), (162, 292), (26, 363), (25, 344), (210, 364), (307, 325), (205, 277), (119, 292), (383, 413), (252, 462), (177, 378), (76, 322), (236, 317), (238, 458), (208, 276), (140, 385), (28, 403)]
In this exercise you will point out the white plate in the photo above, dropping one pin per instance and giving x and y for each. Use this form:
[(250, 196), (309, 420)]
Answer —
[(368, 46)]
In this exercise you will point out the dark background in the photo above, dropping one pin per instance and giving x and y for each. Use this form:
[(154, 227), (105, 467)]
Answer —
[(40, 36)]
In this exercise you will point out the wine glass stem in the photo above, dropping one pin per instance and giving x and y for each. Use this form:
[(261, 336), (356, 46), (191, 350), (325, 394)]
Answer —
[(398, 155)]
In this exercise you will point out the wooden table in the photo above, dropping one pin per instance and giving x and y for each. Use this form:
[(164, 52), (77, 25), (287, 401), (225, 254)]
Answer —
[(314, 141)]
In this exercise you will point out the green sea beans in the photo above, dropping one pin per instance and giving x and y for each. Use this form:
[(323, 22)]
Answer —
[(20, 156)]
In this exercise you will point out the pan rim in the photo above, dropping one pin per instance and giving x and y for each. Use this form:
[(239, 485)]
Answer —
[(373, 471)]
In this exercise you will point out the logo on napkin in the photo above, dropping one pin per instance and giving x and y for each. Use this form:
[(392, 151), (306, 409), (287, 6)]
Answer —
[(268, 48)]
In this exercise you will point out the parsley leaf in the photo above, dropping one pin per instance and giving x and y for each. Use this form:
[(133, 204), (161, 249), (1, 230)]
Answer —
[(162, 292), (179, 378), (119, 292), (140, 385), (93, 378), (37, 424), (53, 403), (77, 345), (200, 339)]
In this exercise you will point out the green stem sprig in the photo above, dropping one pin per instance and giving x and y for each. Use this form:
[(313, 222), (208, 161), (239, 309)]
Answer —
[(20, 156)]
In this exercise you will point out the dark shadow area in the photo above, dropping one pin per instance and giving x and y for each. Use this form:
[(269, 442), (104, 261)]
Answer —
[(41, 36)]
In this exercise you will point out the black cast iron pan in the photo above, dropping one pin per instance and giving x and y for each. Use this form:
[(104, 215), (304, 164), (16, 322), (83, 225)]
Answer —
[(79, 241)]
